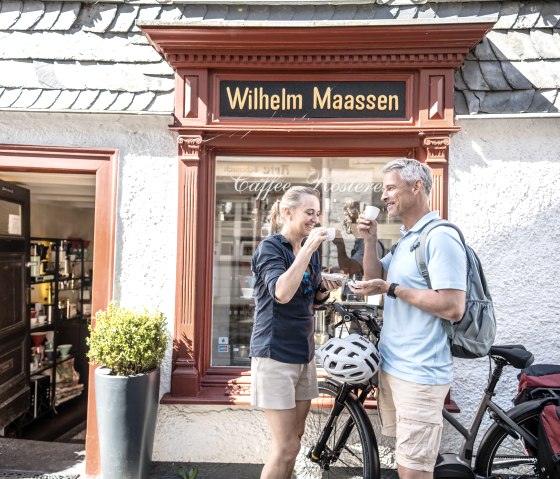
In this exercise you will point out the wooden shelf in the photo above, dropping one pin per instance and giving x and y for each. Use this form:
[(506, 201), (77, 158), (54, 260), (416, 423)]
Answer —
[(63, 271)]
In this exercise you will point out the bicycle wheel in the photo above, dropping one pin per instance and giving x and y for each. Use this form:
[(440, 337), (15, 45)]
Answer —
[(358, 457), (504, 456)]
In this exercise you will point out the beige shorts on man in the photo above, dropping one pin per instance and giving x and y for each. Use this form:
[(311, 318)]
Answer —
[(412, 413)]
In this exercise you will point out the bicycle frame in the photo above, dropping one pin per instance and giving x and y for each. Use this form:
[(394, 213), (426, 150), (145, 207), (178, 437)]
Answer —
[(461, 462), (360, 391), (499, 416), (317, 451)]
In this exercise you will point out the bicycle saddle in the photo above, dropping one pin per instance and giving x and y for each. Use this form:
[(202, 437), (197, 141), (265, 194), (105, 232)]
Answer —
[(515, 354)]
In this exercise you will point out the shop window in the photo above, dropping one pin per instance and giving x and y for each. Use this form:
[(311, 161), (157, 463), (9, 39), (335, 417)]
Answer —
[(246, 188)]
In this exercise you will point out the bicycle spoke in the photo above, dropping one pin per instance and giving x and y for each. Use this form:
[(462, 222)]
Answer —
[(510, 457), (356, 456)]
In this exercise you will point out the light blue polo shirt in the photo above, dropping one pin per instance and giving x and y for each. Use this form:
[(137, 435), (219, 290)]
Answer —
[(413, 343)]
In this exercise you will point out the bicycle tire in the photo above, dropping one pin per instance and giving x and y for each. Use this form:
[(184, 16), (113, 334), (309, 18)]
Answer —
[(359, 457), (501, 455)]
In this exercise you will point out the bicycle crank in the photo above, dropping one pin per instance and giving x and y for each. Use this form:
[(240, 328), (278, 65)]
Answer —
[(450, 466)]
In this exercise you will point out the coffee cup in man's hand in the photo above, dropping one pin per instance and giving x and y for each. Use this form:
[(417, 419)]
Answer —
[(371, 212)]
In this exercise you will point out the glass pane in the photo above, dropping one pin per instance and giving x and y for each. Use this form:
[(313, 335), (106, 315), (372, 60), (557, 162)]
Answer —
[(11, 289), (10, 218), (246, 188)]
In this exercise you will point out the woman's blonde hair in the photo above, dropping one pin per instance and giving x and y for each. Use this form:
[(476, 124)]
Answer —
[(292, 198)]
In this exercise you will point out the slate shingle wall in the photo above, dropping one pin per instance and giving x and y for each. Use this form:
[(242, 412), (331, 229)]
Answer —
[(63, 55)]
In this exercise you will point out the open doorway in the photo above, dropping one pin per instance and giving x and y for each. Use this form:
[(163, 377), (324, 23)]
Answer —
[(58, 298), (103, 164)]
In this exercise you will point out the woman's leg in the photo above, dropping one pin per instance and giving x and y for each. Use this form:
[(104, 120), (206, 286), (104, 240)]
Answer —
[(286, 427), (302, 410)]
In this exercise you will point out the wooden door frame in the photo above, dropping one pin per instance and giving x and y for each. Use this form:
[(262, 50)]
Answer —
[(102, 163)]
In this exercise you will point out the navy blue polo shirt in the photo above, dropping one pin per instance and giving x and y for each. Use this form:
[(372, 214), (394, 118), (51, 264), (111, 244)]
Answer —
[(283, 332)]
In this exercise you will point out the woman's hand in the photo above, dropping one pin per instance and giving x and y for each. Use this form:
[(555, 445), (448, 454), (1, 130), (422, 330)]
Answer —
[(316, 237), (330, 285)]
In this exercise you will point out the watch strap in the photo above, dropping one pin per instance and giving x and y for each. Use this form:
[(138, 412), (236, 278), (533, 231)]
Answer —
[(391, 291)]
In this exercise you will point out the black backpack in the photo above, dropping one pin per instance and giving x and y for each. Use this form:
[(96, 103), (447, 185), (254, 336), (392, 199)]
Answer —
[(474, 334)]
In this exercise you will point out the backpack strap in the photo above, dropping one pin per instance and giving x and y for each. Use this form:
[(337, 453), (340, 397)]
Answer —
[(419, 247)]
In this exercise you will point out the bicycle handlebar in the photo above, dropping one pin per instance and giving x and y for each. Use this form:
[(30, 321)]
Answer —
[(369, 318)]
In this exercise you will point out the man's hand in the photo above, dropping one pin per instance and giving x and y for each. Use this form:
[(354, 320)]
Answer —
[(368, 288), (367, 229)]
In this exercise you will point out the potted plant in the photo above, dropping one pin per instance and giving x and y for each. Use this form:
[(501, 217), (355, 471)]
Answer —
[(129, 347)]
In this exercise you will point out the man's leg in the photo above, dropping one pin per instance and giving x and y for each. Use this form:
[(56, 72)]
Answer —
[(419, 426), (406, 473)]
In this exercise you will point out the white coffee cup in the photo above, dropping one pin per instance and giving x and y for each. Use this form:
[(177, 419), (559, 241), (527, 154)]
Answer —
[(371, 212), (331, 233)]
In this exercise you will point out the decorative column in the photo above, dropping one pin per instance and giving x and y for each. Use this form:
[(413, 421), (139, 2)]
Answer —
[(436, 154), (186, 377)]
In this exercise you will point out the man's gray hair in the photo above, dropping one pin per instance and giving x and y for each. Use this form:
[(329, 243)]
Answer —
[(411, 170)]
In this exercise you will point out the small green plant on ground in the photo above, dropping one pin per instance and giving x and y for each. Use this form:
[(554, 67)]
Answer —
[(183, 474)]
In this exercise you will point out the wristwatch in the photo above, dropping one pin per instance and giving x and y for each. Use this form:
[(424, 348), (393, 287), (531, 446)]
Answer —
[(391, 291)]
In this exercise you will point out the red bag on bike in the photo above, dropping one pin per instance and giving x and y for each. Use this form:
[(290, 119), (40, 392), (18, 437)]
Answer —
[(538, 381), (549, 442)]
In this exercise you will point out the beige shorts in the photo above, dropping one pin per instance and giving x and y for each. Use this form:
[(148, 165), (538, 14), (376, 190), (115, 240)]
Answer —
[(276, 385), (411, 412)]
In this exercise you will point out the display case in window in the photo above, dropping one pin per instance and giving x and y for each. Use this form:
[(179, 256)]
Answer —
[(236, 239)]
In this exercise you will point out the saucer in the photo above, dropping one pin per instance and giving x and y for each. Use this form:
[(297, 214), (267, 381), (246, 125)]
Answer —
[(334, 276)]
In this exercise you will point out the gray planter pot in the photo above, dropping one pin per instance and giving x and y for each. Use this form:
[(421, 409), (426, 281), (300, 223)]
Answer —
[(126, 409)]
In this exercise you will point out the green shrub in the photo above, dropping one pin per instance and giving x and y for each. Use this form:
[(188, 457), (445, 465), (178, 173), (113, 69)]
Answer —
[(126, 341)]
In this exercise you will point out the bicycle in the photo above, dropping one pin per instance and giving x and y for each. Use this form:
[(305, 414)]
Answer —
[(340, 438)]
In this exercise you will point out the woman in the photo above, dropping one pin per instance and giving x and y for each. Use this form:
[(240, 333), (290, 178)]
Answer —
[(288, 285)]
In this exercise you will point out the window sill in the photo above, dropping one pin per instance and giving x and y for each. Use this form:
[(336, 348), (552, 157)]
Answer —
[(226, 386)]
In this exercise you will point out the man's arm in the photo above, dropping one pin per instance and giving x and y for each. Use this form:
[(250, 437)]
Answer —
[(444, 303), (367, 229)]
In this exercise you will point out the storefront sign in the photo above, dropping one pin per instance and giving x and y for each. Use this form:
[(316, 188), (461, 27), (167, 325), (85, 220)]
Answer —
[(313, 99)]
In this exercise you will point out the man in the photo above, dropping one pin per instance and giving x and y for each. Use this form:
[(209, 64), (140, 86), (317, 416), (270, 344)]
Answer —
[(416, 363)]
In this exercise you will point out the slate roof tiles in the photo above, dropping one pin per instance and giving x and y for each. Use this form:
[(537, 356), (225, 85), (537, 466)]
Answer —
[(91, 56)]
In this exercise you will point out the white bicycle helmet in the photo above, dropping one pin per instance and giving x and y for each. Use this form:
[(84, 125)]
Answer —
[(352, 359)]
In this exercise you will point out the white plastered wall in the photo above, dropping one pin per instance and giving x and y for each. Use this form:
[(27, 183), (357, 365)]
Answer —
[(504, 184), (146, 218), (504, 192)]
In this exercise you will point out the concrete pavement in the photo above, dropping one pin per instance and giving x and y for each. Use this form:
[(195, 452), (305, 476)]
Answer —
[(25, 459)]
